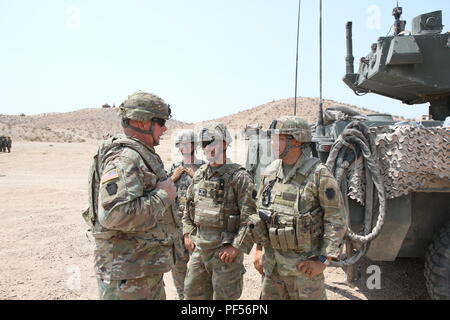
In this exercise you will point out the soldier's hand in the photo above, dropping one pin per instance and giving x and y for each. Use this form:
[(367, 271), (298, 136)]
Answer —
[(228, 254), (190, 171), (188, 243), (257, 261), (177, 173), (311, 268), (168, 186)]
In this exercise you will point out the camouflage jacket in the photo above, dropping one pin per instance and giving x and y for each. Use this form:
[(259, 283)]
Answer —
[(309, 210), (219, 201), (183, 183), (134, 226)]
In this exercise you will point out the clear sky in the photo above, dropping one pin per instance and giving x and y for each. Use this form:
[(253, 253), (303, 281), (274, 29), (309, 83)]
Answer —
[(207, 58)]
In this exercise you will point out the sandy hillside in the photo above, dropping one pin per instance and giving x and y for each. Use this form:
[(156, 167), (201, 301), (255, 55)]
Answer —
[(77, 126), (307, 108), (93, 124)]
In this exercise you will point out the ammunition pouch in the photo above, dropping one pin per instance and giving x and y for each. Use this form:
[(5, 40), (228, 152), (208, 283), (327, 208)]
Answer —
[(301, 233), (232, 223), (258, 230), (209, 209), (218, 220)]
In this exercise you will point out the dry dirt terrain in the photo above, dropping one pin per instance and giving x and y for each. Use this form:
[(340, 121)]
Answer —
[(45, 252)]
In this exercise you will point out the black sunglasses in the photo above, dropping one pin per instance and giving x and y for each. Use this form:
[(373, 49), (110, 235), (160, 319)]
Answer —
[(207, 143), (161, 122)]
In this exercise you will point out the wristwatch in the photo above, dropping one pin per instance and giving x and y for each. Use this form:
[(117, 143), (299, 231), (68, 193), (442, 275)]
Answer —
[(324, 260)]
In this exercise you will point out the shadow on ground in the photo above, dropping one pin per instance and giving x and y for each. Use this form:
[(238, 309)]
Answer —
[(402, 279)]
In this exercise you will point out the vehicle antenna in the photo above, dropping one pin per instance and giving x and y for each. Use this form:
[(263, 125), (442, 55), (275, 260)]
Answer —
[(320, 120), (296, 58)]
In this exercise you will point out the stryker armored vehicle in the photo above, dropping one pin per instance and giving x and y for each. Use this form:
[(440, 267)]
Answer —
[(396, 175)]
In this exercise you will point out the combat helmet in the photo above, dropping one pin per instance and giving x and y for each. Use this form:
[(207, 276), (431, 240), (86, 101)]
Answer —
[(143, 106), (186, 136), (295, 126), (214, 132)]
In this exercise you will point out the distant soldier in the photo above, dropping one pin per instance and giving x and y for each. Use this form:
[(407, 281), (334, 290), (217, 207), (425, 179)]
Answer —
[(219, 201), (300, 203), (2, 144), (131, 199), (8, 143), (182, 173)]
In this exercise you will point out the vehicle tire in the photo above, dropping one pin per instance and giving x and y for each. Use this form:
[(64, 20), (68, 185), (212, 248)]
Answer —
[(437, 266)]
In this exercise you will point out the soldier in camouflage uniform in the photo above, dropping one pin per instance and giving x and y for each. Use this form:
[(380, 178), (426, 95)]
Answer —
[(131, 199), (181, 173), (8, 143), (2, 144), (301, 218), (219, 201)]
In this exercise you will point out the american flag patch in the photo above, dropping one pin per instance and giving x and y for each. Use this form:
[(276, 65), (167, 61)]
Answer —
[(110, 175)]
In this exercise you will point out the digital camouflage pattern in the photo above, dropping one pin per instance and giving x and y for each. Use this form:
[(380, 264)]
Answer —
[(294, 126), (143, 106), (310, 221), (134, 226), (215, 131), (186, 136), (209, 278), (146, 288), (219, 201), (300, 287), (180, 268)]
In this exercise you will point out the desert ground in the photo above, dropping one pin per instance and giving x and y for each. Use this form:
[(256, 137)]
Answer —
[(46, 252)]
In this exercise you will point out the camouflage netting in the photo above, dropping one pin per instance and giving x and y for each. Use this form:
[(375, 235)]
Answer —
[(410, 158)]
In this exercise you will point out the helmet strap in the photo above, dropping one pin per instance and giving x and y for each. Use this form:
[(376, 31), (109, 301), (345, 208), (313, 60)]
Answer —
[(126, 124), (288, 148)]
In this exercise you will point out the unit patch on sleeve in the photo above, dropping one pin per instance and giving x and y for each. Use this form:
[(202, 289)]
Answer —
[(111, 188), (330, 193)]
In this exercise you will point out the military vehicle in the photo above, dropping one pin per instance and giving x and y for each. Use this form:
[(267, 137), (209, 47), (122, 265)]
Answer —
[(396, 175)]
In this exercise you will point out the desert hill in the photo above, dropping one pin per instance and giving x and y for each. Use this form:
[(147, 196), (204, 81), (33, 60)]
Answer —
[(94, 124), (264, 114), (76, 126)]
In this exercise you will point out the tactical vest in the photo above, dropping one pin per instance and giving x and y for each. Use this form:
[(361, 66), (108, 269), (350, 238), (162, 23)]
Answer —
[(289, 228), (182, 186), (152, 162), (211, 209)]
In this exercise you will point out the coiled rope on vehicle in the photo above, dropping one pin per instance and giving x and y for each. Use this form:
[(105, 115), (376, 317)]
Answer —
[(354, 138)]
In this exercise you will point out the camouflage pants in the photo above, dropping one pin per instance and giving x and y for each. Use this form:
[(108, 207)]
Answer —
[(179, 271), (147, 288), (210, 278), (301, 287)]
